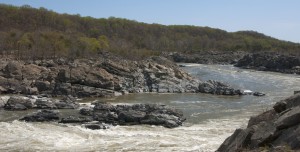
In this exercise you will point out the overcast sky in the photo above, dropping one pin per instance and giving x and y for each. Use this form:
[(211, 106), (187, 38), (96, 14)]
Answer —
[(276, 18)]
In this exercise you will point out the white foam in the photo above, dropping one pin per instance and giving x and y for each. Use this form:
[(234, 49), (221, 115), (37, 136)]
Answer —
[(207, 136)]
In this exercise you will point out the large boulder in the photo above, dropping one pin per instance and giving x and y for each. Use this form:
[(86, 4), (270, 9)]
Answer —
[(151, 114), (131, 117), (216, 87), (43, 86), (44, 103), (289, 138), (264, 133), (287, 103), (67, 103), (267, 116), (166, 120), (239, 139), (289, 119), (18, 103), (13, 69)]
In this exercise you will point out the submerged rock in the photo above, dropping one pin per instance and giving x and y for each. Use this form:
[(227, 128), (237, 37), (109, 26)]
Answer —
[(259, 94), (96, 126), (74, 119)]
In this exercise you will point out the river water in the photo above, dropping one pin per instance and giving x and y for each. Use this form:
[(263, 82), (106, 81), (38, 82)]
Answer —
[(210, 118)]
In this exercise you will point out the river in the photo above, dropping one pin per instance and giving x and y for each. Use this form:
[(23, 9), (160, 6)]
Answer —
[(210, 118)]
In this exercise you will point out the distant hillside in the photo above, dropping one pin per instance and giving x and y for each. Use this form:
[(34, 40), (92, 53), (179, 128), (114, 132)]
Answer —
[(39, 33)]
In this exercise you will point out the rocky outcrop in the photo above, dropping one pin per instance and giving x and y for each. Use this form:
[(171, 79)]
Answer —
[(18, 103), (270, 62), (35, 102), (101, 77), (274, 130), (208, 57), (105, 114), (216, 87), (151, 114)]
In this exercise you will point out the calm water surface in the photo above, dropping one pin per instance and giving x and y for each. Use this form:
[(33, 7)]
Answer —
[(210, 119)]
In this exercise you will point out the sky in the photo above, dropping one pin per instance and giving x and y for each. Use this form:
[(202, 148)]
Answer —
[(277, 18)]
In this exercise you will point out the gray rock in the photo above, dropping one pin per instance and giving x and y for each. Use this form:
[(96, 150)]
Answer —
[(289, 118), (86, 111), (259, 94), (3, 101), (131, 117), (277, 130), (267, 116), (96, 126), (264, 134), (68, 102), (41, 116), (280, 106), (66, 105), (42, 85), (168, 121), (105, 117), (74, 119), (45, 104), (239, 139), (289, 137), (18, 103), (215, 87), (103, 106)]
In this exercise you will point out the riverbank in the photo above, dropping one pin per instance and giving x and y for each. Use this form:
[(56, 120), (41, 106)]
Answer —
[(271, 62), (277, 129), (261, 61), (105, 76)]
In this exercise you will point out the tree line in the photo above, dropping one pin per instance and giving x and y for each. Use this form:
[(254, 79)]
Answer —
[(31, 33)]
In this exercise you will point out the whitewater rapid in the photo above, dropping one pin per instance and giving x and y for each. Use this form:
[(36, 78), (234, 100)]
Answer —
[(210, 119)]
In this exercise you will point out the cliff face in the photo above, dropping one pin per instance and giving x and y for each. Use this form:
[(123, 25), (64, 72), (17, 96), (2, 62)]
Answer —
[(275, 130)]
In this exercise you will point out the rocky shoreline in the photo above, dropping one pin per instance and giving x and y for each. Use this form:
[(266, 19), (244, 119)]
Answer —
[(262, 61), (207, 57), (102, 77), (271, 62), (277, 129)]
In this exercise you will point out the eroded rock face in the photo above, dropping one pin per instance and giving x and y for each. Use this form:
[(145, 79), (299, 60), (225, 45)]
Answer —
[(104, 77), (273, 129)]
